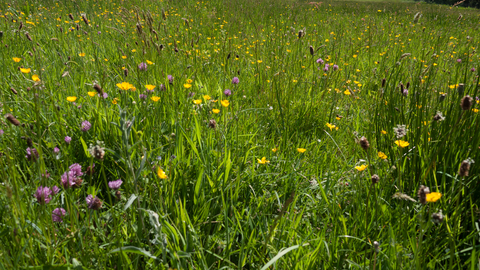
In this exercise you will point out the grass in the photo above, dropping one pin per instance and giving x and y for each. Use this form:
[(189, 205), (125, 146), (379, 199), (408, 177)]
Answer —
[(302, 166)]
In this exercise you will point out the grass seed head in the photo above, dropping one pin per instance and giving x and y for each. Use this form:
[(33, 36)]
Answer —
[(364, 143), (422, 194), (375, 179), (464, 168), (466, 103), (12, 119)]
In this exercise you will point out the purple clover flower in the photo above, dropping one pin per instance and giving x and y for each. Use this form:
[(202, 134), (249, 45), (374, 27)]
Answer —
[(326, 67), (115, 185), (405, 92), (43, 195), (93, 202), (104, 95), (235, 80), (142, 66), (72, 176), (55, 190), (68, 139), (142, 96), (459, 60), (32, 154), (227, 92), (58, 214), (335, 67), (170, 79), (162, 87), (56, 150), (320, 61), (86, 126), (473, 69)]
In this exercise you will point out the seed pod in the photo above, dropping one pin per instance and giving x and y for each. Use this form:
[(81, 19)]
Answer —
[(28, 36), (98, 89), (311, 51), (212, 124), (21, 26), (29, 142), (118, 195), (61, 29), (375, 179), (71, 17), (383, 82), (139, 29), (422, 194), (14, 91), (466, 103), (464, 168), (364, 143), (84, 18), (408, 85), (12, 119), (125, 72)]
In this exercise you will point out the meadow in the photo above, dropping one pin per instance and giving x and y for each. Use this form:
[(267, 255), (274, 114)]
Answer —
[(241, 134)]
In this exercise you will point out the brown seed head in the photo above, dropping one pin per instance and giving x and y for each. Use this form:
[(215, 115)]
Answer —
[(464, 168), (98, 89), (14, 91), (212, 124), (118, 195), (375, 179), (28, 36), (125, 72), (12, 119), (71, 17), (422, 194), (364, 143), (466, 103), (84, 18), (311, 50)]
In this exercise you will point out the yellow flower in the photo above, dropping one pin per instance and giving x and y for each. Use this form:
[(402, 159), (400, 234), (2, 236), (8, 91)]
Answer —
[(125, 86), (215, 111), (134, 50), (161, 173), (115, 101), (259, 61), (347, 92), (453, 86), (92, 94), (383, 132), (475, 110), (225, 103), (274, 150), (361, 168), (382, 155), (331, 126), (401, 143), (189, 81), (124, 57), (155, 98), (25, 70), (149, 62), (301, 150), (263, 161), (16, 59), (81, 54), (207, 97), (187, 85), (71, 99), (197, 101), (433, 196), (35, 78), (150, 87)]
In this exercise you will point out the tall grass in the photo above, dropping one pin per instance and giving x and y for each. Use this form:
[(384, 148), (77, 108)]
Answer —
[(219, 181)]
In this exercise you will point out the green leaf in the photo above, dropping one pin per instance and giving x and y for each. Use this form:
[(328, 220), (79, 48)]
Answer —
[(132, 249), (129, 202)]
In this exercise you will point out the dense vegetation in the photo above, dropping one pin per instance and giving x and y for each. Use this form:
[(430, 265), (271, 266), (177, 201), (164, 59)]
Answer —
[(239, 134)]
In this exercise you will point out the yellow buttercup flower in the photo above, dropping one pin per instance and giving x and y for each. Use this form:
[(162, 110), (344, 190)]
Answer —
[(383, 132), (125, 86), (92, 94), (361, 168), (16, 59), (331, 126), (189, 81), (71, 99), (263, 161), (215, 111), (25, 70), (401, 143), (115, 101), (225, 103), (150, 87), (155, 98), (149, 62), (161, 173), (81, 54), (274, 150), (301, 150), (347, 92), (207, 97), (187, 85), (433, 196), (197, 101), (124, 57), (35, 78), (382, 155)]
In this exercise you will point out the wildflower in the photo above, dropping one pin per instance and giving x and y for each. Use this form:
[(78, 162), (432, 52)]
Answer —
[(465, 167), (56, 150), (325, 69), (274, 150), (124, 57), (58, 214), (115, 100), (155, 98), (422, 194), (72, 176), (405, 92), (25, 70), (382, 155), (150, 87), (400, 131), (225, 103), (433, 196), (32, 154), (459, 60), (35, 78), (142, 96), (85, 126), (235, 80), (375, 179), (68, 139), (12, 119), (187, 85), (383, 132), (227, 92), (301, 150), (437, 218), (215, 111), (170, 79), (93, 203), (124, 86), (466, 103), (115, 185), (473, 69), (364, 143), (212, 124), (335, 67), (81, 54), (320, 61), (162, 87), (1, 132), (97, 151), (401, 143), (161, 173), (98, 89), (331, 126), (43, 195), (197, 101), (361, 168), (191, 94), (376, 245), (149, 62), (71, 99), (92, 93), (207, 97), (263, 160), (142, 66), (16, 59)]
